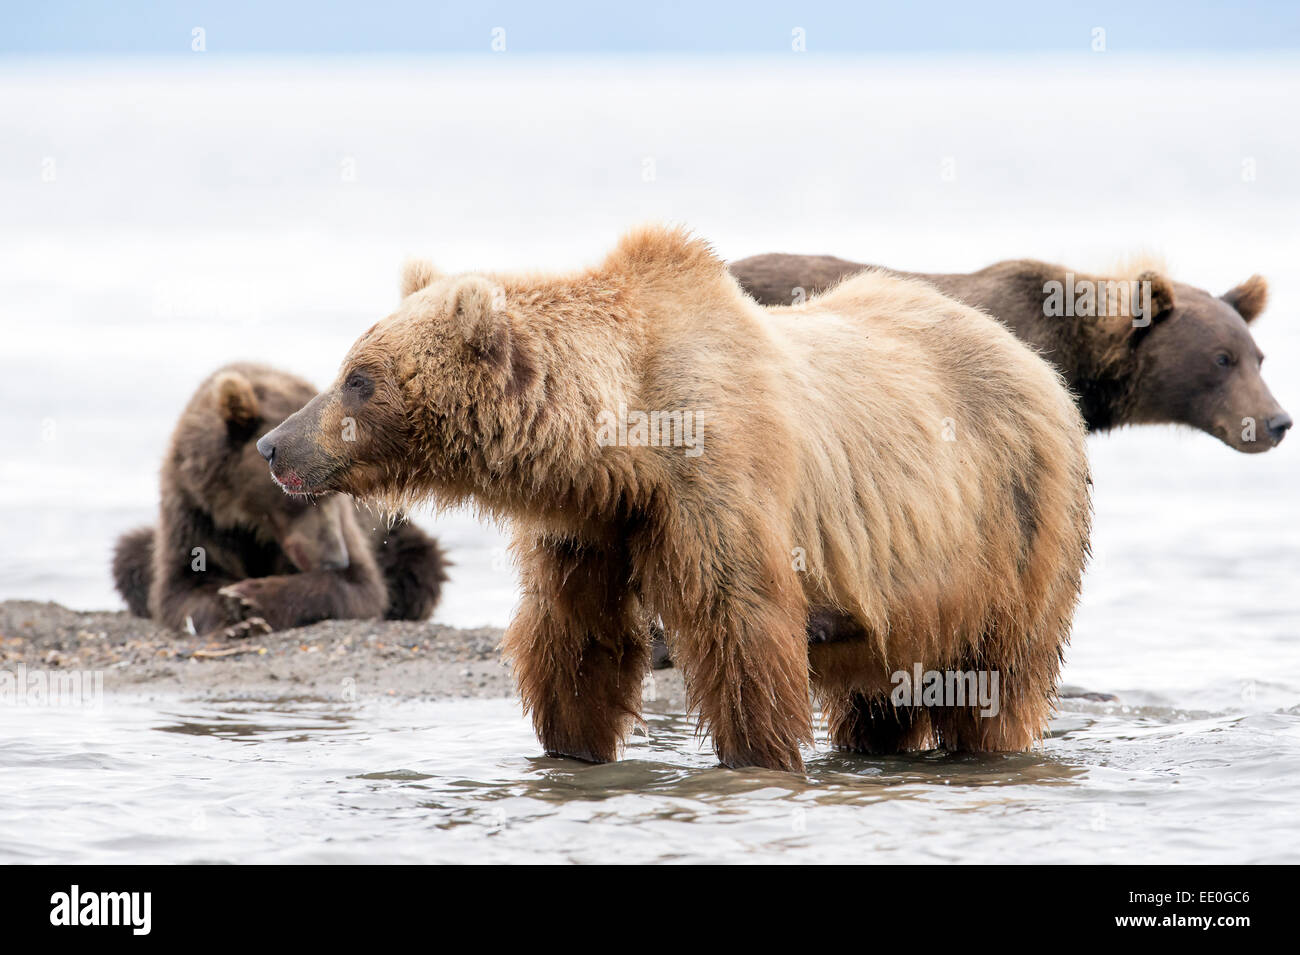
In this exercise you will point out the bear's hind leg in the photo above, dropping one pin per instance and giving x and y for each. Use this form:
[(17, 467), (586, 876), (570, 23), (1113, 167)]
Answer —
[(1011, 720), (133, 569), (874, 725), (579, 648), (1016, 728), (414, 568)]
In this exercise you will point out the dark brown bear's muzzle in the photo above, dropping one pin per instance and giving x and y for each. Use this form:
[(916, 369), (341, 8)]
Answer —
[(1278, 425)]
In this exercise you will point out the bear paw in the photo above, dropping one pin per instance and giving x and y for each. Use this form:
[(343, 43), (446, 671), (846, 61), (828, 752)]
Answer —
[(240, 602)]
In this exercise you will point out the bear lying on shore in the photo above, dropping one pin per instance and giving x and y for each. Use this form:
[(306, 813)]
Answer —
[(1193, 363), (882, 454), (234, 554)]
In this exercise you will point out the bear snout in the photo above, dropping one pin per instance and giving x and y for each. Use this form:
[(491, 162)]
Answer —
[(288, 478), (297, 462), (1278, 425)]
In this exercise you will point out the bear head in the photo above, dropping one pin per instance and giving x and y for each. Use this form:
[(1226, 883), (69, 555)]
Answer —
[(216, 467), (1199, 365), (418, 398)]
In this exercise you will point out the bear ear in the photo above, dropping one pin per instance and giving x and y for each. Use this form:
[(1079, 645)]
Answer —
[(417, 274), (1162, 294), (236, 401), (475, 305), (1249, 298)]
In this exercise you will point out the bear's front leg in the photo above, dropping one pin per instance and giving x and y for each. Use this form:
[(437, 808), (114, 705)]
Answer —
[(738, 634), (578, 648), (184, 603), (295, 600)]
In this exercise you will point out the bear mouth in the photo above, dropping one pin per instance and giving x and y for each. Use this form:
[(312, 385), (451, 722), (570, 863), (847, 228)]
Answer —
[(318, 478), (1263, 442), (291, 482)]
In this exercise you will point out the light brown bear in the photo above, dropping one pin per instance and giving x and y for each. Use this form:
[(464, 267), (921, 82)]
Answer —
[(881, 454)]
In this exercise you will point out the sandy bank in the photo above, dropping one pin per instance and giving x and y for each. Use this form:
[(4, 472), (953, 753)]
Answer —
[(329, 660)]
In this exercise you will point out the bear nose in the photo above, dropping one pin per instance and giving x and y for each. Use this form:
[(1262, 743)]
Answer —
[(266, 448), (1278, 425)]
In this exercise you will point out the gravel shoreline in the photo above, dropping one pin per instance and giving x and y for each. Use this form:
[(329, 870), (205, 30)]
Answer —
[(331, 660)]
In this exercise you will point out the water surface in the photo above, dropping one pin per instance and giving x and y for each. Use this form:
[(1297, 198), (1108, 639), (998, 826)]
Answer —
[(297, 780)]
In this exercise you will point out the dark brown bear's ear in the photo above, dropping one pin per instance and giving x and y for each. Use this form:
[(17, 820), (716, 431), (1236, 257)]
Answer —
[(475, 309), (236, 402), (1162, 294), (1249, 298), (1161, 304), (417, 274)]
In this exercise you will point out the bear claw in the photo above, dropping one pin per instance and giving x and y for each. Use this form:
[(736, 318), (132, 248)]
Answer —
[(238, 607), (252, 627)]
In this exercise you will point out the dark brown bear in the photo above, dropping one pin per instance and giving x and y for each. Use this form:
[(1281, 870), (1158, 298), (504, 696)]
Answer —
[(1192, 361), (232, 553)]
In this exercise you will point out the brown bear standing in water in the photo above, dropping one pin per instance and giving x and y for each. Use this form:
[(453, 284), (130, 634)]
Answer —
[(237, 555), (1193, 363), (882, 454)]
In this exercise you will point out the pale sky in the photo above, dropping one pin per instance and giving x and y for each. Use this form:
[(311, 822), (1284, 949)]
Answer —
[(93, 28)]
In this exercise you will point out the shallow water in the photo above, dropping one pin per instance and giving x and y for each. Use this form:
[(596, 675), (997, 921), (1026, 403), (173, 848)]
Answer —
[(298, 780)]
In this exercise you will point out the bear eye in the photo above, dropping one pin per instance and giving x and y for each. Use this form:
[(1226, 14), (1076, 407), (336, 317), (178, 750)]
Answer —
[(358, 386), (1223, 359)]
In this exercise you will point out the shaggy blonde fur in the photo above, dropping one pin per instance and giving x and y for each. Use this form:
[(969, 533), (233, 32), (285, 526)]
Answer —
[(881, 453)]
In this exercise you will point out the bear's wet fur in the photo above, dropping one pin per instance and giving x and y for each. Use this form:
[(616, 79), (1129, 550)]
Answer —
[(413, 566), (1193, 363), (238, 555), (133, 569), (881, 453), (1116, 377)]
